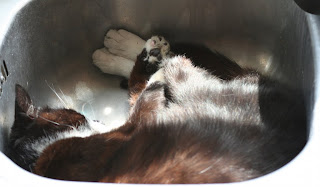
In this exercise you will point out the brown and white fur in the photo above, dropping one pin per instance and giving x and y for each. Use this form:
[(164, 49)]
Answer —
[(185, 126)]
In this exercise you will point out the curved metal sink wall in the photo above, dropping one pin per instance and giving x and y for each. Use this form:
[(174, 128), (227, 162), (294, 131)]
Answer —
[(50, 42)]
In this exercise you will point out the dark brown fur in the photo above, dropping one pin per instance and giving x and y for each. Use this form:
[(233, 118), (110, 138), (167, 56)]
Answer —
[(201, 149), (201, 56)]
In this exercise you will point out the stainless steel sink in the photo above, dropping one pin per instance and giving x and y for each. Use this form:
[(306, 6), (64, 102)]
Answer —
[(46, 46)]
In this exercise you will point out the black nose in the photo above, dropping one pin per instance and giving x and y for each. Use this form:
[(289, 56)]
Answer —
[(154, 52)]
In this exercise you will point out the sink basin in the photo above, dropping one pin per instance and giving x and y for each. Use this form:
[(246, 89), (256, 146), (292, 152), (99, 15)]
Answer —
[(46, 46)]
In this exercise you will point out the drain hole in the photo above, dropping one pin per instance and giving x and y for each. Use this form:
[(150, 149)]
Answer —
[(5, 68)]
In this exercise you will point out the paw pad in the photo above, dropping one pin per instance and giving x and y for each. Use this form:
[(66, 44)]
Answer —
[(157, 47)]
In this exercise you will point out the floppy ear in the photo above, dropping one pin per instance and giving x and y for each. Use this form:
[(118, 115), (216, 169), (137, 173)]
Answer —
[(23, 102)]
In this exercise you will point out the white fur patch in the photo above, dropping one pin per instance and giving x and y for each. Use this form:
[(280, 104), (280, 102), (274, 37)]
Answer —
[(99, 128), (157, 76), (200, 91), (124, 44), (112, 64)]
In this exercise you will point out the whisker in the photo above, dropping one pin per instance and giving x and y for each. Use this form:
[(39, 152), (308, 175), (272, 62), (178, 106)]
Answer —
[(44, 132), (94, 115), (54, 91), (53, 122), (49, 121), (83, 106), (205, 170), (64, 96)]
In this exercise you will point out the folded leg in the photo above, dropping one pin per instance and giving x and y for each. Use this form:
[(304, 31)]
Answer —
[(148, 62), (123, 43), (112, 64)]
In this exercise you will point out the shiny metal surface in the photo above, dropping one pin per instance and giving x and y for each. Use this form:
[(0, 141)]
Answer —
[(49, 43)]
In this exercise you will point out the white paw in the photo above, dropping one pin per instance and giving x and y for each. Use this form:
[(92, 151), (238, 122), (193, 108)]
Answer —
[(123, 43), (112, 64), (157, 77), (157, 48)]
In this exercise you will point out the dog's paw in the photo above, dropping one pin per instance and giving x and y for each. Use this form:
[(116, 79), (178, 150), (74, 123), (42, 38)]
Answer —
[(156, 49), (112, 64), (123, 43)]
